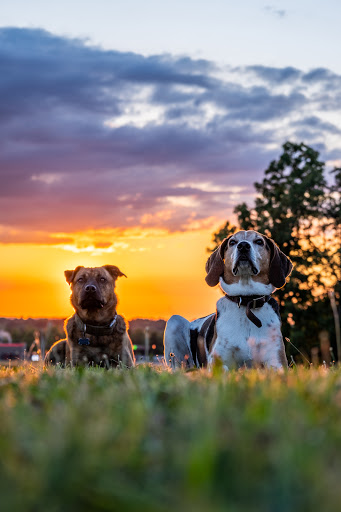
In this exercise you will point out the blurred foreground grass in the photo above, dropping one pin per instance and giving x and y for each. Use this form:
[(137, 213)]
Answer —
[(149, 440)]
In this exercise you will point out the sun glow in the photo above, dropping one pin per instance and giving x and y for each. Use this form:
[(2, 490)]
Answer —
[(165, 272)]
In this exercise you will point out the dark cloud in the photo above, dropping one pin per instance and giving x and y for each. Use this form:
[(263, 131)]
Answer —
[(314, 123), (275, 75), (319, 75), (257, 104), (91, 138)]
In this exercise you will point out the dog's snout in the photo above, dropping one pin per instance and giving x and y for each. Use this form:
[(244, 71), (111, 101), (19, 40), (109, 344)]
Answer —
[(90, 288), (243, 247)]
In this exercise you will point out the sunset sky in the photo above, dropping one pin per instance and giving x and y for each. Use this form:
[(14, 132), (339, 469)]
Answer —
[(130, 130)]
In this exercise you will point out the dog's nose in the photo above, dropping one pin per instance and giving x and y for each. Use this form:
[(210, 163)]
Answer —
[(243, 247), (90, 288)]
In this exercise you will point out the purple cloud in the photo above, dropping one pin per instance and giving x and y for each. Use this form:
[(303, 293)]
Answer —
[(91, 138)]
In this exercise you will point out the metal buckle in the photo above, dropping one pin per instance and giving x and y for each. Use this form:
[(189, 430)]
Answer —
[(113, 322), (254, 302)]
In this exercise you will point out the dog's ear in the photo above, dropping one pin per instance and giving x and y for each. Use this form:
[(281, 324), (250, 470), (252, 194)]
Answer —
[(215, 264), (280, 265), (70, 274), (114, 271)]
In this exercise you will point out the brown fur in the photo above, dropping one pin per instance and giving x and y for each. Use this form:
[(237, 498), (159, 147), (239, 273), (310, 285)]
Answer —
[(282, 357), (264, 261), (58, 354), (96, 308), (202, 339)]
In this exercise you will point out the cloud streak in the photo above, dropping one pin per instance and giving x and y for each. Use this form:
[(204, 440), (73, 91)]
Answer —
[(97, 139)]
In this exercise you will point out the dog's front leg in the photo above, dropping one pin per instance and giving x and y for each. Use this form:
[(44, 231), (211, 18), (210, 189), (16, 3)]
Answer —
[(274, 356), (218, 354), (211, 363)]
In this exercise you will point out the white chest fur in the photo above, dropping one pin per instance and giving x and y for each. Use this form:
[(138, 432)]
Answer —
[(240, 342)]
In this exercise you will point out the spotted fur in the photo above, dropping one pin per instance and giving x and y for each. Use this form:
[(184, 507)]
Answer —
[(245, 264)]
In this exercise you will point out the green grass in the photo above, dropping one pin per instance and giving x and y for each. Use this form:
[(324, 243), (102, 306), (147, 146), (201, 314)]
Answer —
[(149, 440)]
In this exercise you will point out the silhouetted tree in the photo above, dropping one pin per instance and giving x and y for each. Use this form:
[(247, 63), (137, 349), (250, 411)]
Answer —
[(227, 230)]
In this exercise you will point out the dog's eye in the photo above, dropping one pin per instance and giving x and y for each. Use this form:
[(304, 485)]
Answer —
[(103, 280), (259, 241), (232, 242), (80, 280)]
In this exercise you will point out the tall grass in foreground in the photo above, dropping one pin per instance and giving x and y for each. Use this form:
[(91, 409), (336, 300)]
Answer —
[(149, 440)]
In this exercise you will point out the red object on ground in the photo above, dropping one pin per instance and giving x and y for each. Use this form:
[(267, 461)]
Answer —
[(6, 345)]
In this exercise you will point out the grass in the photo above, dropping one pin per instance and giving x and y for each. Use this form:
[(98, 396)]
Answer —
[(149, 440)]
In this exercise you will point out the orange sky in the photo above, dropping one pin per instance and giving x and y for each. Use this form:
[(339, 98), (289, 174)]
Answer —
[(165, 272), (163, 147)]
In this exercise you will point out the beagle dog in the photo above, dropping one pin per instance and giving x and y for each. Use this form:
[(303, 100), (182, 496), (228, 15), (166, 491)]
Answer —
[(246, 328)]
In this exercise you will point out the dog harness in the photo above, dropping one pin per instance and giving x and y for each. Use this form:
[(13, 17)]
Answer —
[(96, 330)]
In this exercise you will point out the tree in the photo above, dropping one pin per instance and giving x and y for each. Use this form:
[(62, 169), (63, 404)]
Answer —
[(227, 230), (53, 333), (333, 213), (293, 206)]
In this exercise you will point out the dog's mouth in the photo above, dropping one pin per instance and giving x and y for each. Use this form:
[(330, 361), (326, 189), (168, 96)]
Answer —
[(92, 303), (244, 261)]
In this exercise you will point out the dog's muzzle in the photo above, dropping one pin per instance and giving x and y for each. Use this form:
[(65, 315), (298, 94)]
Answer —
[(244, 257), (90, 298)]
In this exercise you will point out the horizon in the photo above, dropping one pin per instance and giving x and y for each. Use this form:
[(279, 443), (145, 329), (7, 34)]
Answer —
[(59, 319)]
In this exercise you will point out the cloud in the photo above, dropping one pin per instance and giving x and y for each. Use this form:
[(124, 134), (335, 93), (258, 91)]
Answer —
[(92, 139), (316, 124), (275, 75), (320, 75)]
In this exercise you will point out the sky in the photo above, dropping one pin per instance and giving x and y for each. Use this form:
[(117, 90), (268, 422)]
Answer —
[(130, 131)]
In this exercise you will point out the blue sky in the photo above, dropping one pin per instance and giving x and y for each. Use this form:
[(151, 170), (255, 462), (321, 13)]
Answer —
[(156, 114), (301, 33)]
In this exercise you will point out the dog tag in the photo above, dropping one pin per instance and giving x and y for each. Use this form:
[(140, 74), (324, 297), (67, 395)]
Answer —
[(83, 341)]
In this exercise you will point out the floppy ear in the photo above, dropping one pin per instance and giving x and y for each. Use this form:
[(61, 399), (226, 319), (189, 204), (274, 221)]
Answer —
[(114, 271), (280, 265), (70, 274), (215, 264)]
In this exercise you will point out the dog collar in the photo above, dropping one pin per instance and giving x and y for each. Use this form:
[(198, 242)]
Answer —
[(96, 330), (250, 301)]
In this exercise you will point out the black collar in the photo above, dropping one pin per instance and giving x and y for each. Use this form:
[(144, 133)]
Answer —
[(250, 301), (97, 330)]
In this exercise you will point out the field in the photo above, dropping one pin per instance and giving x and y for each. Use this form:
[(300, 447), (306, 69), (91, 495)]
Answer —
[(149, 440)]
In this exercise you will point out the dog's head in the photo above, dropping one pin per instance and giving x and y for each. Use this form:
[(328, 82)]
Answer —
[(93, 290), (248, 256)]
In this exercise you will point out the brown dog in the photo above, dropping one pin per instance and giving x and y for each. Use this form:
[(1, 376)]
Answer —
[(96, 334)]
